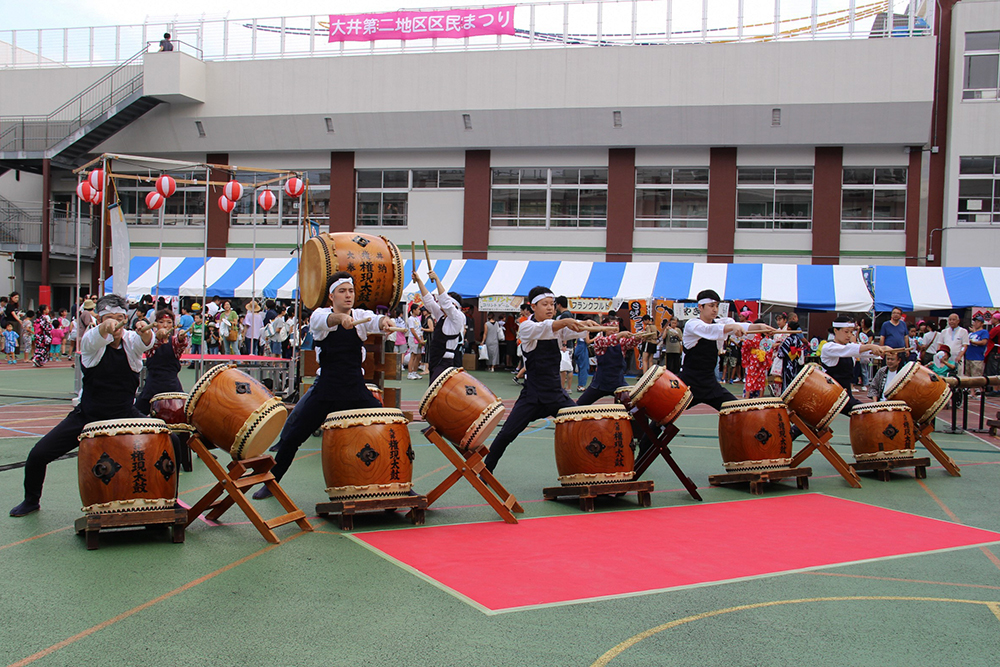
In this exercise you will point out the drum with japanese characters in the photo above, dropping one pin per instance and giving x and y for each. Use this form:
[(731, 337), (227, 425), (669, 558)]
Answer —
[(662, 395), (815, 396), (461, 408), (376, 392), (126, 465), (235, 412), (593, 445), (169, 407), (367, 453), (373, 261), (755, 435), (920, 388), (882, 430)]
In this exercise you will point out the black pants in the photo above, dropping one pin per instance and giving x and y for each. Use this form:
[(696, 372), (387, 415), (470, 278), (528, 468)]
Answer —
[(527, 409), (438, 368), (309, 414), (59, 441), (592, 395), (706, 390)]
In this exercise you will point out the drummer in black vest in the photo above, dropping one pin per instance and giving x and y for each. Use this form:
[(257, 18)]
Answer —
[(112, 360), (702, 340), (338, 333), (445, 349), (543, 394), (610, 374), (838, 355), (163, 362)]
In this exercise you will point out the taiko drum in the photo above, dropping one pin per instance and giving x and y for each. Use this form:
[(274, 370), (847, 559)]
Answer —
[(921, 389), (126, 465), (169, 407), (661, 394), (593, 445), (373, 261), (623, 396), (376, 392), (461, 408), (235, 412), (755, 435), (815, 396), (883, 430), (367, 453)]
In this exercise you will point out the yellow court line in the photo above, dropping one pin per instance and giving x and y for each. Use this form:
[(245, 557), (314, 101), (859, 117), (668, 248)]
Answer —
[(632, 641), (146, 605)]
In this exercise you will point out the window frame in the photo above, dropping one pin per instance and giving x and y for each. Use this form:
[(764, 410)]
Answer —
[(855, 224), (672, 221), (773, 222), (534, 184), (975, 95), (994, 200)]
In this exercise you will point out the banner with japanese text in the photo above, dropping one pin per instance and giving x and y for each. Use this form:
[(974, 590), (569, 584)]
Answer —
[(500, 304), (585, 305), (663, 310), (636, 310), (449, 23)]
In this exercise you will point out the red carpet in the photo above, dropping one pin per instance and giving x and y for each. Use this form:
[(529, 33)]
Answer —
[(572, 558)]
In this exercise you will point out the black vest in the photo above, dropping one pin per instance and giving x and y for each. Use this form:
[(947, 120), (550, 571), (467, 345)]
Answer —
[(542, 369), (162, 368), (340, 362), (440, 344), (109, 387), (610, 372), (842, 372), (701, 359)]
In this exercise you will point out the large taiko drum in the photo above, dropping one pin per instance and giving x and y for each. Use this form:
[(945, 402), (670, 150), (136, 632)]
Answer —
[(126, 465), (376, 392), (373, 261), (169, 407), (815, 396), (235, 412), (920, 388), (593, 445), (755, 435), (882, 430), (623, 396), (367, 453), (461, 408), (661, 394)]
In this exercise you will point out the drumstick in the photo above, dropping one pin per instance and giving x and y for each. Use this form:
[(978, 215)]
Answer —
[(427, 255), (413, 251), (357, 322)]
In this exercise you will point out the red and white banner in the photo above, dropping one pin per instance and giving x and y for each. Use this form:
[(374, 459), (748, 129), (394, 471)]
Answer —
[(450, 23)]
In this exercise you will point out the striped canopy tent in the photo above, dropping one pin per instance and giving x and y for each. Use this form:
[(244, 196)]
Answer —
[(936, 288), (273, 278)]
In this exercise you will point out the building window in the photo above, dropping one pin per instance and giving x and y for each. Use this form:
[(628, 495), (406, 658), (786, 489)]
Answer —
[(774, 197), (979, 190), (671, 197), (873, 198), (542, 197), (383, 194), (184, 208), (981, 79)]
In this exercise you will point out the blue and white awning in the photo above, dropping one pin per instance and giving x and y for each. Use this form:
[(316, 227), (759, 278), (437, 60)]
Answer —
[(936, 288), (273, 278)]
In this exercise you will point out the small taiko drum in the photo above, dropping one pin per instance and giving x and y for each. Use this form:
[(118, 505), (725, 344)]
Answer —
[(170, 408), (661, 394), (376, 392), (126, 465), (882, 430), (593, 445), (235, 412), (815, 396), (461, 408), (623, 396), (367, 453), (920, 388), (755, 435), (373, 261)]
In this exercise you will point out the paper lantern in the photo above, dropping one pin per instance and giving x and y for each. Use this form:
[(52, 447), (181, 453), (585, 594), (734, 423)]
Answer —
[(266, 200), (96, 179), (294, 187), (85, 191), (233, 190), (98, 197), (226, 204), (155, 200), (166, 185)]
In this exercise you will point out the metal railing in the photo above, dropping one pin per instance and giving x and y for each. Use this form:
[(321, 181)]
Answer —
[(62, 234), (545, 24), (39, 133)]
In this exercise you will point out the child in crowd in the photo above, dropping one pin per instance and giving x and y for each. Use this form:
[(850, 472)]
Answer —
[(58, 333), (942, 364), (10, 343), (28, 335), (566, 368)]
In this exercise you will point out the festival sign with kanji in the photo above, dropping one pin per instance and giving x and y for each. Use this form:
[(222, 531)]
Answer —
[(450, 23)]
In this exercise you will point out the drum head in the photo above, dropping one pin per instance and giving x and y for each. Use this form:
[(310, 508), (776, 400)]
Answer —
[(902, 377), (482, 427), (432, 391), (318, 263), (645, 382), (747, 404), (365, 417), (582, 412), (261, 430)]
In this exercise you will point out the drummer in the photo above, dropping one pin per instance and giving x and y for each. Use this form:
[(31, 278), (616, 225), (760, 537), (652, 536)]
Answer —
[(163, 362), (445, 350), (338, 334), (112, 360), (542, 395), (610, 373), (837, 357)]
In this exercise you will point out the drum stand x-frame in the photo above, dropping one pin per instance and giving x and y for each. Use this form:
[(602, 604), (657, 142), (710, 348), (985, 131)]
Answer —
[(235, 482), (821, 440), (660, 447), (470, 465), (924, 436)]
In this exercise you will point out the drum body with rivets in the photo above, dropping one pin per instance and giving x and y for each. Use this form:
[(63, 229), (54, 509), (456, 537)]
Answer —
[(461, 408), (373, 261), (661, 394), (920, 388), (755, 435), (593, 445), (815, 396), (367, 453), (882, 430)]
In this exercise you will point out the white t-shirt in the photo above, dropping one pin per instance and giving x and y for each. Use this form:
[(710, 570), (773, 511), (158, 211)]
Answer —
[(320, 329), (530, 332), (413, 325), (697, 329), (93, 344)]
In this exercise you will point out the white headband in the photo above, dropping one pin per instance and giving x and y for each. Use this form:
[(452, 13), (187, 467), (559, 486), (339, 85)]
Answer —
[(842, 325), (544, 295), (111, 310), (705, 302), (338, 283)]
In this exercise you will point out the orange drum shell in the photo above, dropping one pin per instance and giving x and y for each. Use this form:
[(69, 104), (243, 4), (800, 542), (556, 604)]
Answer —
[(594, 446), (924, 392), (665, 400), (759, 436), (170, 410), (818, 397), (459, 402), (376, 392), (386, 447), (373, 261), (884, 434), (137, 466)]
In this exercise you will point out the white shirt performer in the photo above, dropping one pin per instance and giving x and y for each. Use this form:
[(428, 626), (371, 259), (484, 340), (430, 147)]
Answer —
[(445, 347)]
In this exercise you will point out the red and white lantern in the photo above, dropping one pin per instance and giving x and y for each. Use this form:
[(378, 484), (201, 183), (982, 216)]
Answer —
[(266, 199), (96, 179), (98, 197), (86, 191), (166, 185), (155, 200), (227, 205), (233, 190), (294, 187)]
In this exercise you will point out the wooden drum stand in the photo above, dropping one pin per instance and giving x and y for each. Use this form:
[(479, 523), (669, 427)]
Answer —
[(819, 439), (659, 447)]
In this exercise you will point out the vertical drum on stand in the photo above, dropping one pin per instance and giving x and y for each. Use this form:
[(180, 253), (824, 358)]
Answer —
[(921, 389), (461, 408), (882, 430), (815, 396), (593, 445), (366, 454), (661, 394), (755, 435), (170, 408), (373, 261)]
